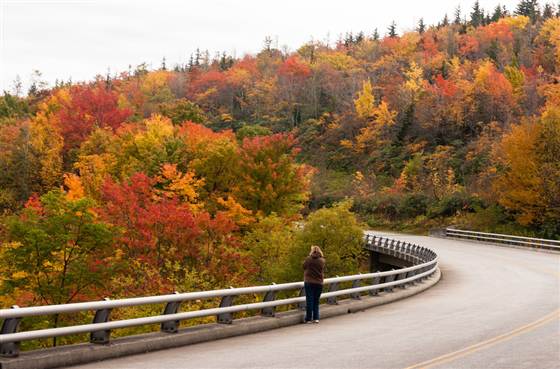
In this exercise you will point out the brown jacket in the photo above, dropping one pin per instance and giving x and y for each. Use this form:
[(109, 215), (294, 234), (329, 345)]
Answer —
[(313, 269)]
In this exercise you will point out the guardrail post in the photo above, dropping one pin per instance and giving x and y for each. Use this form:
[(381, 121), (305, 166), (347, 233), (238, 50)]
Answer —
[(301, 305), (420, 271), (374, 281), (332, 287), (412, 273), (356, 284), (10, 325), (101, 316), (226, 318), (389, 278), (399, 246), (402, 276), (271, 310), (171, 308)]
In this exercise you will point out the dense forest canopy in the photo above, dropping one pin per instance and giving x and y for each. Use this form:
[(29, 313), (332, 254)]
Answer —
[(192, 176)]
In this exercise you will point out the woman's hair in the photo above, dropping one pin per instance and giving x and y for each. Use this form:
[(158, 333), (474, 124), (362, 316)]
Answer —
[(316, 250)]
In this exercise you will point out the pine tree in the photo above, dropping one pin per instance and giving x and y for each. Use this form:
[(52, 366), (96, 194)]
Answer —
[(163, 65), (548, 11), (457, 19), (445, 21), (197, 57), (375, 35), (267, 44), (421, 26), (392, 31), (497, 14), (529, 8), (360, 37), (487, 19), (477, 15), (191, 62)]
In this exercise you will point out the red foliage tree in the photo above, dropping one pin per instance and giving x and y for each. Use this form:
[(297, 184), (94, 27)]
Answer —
[(89, 106), (293, 68), (154, 229)]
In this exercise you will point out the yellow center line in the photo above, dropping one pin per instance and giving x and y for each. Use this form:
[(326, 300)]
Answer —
[(485, 344)]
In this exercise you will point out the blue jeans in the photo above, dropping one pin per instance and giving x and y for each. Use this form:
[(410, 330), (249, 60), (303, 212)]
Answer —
[(312, 296)]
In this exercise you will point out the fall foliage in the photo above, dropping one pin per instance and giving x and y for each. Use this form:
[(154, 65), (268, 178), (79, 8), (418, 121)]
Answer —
[(200, 175)]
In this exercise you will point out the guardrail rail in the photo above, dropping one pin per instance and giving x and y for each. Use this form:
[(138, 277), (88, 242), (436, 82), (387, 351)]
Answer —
[(539, 243), (424, 263)]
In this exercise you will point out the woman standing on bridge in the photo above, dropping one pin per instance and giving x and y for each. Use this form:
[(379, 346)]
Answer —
[(313, 282)]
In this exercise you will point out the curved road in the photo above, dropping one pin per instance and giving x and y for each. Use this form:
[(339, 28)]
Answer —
[(495, 307)]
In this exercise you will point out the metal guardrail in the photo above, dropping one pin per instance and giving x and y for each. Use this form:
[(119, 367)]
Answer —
[(424, 264), (539, 243)]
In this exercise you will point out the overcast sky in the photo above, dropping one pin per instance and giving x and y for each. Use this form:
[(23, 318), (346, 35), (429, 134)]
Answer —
[(82, 38)]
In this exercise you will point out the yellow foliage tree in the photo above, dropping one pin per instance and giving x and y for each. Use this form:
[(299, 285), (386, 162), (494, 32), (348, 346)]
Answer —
[(365, 102), (414, 80), (379, 118), (519, 186), (236, 212), (47, 143), (74, 185), (550, 33), (183, 185)]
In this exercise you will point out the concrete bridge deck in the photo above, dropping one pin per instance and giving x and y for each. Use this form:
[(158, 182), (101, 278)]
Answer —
[(495, 307)]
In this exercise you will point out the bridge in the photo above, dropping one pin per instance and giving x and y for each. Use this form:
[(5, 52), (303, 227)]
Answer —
[(494, 307)]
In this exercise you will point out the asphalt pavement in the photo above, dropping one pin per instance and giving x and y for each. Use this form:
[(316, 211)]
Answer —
[(494, 307)]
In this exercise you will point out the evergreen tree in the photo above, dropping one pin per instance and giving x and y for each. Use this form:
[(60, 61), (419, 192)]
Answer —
[(477, 15), (360, 37), (226, 61), (348, 39), (497, 14), (392, 30), (529, 8), (548, 11), (487, 19), (375, 35), (267, 44), (163, 66), (197, 57), (445, 21), (191, 62), (493, 50), (457, 19), (421, 26)]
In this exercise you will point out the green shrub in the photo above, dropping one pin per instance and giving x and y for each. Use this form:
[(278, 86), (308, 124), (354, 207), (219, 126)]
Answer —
[(453, 204), (337, 232), (413, 205)]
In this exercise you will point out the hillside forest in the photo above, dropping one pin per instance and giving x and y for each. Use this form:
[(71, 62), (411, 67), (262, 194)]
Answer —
[(222, 171)]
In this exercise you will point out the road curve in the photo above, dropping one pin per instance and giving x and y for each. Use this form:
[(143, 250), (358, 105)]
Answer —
[(495, 307)]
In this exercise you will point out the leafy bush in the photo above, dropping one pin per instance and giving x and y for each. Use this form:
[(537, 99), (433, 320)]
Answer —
[(413, 205), (453, 204), (252, 131), (337, 232)]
